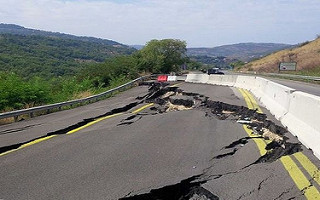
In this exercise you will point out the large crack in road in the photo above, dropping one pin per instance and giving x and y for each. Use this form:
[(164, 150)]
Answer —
[(72, 127), (188, 189), (169, 99), (172, 98)]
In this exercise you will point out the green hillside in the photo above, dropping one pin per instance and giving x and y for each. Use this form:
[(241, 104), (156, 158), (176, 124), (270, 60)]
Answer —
[(20, 30), (37, 70), (51, 56), (242, 51)]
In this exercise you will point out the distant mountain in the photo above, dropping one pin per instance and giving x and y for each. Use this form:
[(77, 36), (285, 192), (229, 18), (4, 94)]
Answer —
[(242, 51), (20, 30), (306, 55), (32, 52), (138, 47)]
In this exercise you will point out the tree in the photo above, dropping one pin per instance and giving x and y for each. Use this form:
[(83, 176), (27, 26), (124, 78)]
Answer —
[(162, 56)]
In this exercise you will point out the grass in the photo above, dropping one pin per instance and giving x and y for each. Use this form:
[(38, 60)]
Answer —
[(308, 72), (307, 57)]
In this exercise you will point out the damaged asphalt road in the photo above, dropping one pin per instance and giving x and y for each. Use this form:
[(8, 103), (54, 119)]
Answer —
[(189, 145)]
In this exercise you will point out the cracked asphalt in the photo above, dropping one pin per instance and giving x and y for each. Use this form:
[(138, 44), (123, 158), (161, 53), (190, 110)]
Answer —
[(159, 152)]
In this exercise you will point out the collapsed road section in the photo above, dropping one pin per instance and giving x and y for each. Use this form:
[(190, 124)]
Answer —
[(174, 99), (168, 99)]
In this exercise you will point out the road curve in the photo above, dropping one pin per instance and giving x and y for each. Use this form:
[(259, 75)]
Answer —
[(300, 86), (144, 150), (310, 88)]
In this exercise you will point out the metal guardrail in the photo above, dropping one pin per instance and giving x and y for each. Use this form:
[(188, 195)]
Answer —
[(89, 99)]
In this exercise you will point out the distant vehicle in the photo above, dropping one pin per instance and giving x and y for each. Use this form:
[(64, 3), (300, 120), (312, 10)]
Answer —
[(214, 71)]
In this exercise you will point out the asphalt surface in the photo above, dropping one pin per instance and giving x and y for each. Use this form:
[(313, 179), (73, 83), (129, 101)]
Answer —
[(134, 155), (310, 88), (298, 85)]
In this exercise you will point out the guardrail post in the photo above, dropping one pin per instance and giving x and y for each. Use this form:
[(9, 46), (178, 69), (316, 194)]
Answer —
[(31, 115), (15, 118)]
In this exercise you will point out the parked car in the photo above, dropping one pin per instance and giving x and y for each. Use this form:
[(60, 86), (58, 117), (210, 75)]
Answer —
[(214, 71)]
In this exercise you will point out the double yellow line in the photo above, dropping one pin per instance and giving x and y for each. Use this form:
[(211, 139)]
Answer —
[(75, 130), (299, 178)]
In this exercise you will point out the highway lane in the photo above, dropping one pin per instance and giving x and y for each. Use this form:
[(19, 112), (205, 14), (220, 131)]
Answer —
[(309, 88), (298, 85), (29, 129), (128, 155)]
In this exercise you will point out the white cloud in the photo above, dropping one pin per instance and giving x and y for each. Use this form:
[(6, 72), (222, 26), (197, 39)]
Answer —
[(199, 22)]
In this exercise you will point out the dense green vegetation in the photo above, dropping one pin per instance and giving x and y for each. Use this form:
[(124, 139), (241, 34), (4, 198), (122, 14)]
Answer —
[(34, 78), (162, 56), (237, 65), (49, 57)]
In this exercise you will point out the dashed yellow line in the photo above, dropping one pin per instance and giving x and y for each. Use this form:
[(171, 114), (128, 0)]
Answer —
[(301, 181), (74, 130), (142, 108), (175, 85), (93, 122), (28, 144)]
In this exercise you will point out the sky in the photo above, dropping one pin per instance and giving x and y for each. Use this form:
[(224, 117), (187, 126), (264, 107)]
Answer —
[(201, 23)]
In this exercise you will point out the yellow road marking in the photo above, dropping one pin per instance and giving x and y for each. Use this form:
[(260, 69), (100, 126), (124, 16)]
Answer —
[(300, 180), (142, 108), (247, 99), (28, 144), (253, 101), (93, 122), (74, 130), (175, 85), (309, 166), (295, 173), (259, 142)]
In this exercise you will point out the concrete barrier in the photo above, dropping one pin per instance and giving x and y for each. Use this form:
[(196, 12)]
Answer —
[(229, 80), (181, 78), (276, 98), (172, 78), (303, 121), (225, 80), (246, 82), (197, 78), (215, 80), (260, 87)]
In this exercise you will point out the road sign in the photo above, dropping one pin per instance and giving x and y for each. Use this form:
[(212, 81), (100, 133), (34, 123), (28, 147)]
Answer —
[(287, 66)]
